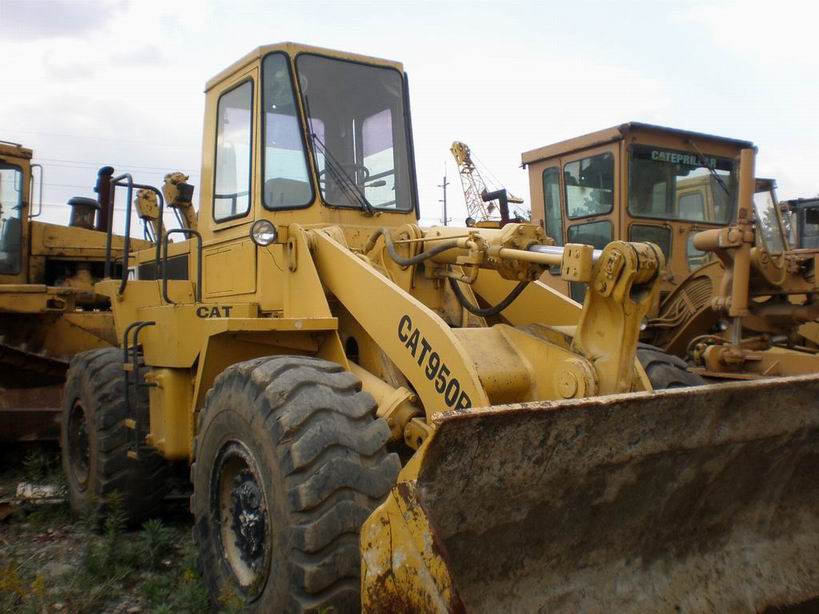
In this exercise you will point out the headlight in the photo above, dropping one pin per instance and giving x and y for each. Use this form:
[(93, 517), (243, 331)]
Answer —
[(263, 233)]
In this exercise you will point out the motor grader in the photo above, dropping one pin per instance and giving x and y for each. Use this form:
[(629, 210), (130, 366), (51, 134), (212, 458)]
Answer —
[(676, 188), (385, 417)]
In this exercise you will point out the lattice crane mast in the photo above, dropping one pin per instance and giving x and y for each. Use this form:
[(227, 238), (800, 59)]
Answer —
[(480, 203)]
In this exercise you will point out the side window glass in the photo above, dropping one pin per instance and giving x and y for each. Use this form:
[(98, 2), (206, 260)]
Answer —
[(598, 234), (286, 181), (231, 193), (696, 258), (658, 235), (551, 204), (379, 159), (589, 185), (809, 227), (11, 223)]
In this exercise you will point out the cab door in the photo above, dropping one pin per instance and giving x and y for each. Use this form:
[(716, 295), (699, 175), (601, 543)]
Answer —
[(229, 256)]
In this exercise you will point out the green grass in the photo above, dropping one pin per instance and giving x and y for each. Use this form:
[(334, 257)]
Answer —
[(155, 568)]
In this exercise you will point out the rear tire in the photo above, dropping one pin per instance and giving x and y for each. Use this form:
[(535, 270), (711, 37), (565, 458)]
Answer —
[(666, 370), (94, 441), (290, 461)]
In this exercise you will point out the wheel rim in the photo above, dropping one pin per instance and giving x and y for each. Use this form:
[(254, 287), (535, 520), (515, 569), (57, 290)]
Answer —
[(78, 448), (240, 506)]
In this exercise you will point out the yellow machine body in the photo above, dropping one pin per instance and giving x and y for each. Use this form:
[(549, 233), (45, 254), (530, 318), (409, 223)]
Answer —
[(48, 309), (536, 455)]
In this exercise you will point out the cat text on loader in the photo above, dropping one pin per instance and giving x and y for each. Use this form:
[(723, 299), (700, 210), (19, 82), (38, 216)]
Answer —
[(396, 418)]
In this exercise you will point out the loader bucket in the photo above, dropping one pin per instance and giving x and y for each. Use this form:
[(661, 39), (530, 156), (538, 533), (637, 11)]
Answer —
[(692, 500)]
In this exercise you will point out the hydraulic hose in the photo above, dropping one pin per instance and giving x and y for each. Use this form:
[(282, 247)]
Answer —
[(442, 247), (417, 259), (486, 311)]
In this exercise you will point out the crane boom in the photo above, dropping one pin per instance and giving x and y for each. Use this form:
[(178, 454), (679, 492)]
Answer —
[(480, 203)]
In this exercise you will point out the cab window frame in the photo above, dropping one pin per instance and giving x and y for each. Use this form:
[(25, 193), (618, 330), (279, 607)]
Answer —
[(606, 153), (733, 183), (558, 238), (412, 188), (309, 161), (23, 218), (246, 213)]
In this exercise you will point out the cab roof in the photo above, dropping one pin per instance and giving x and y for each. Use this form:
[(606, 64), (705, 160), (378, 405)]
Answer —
[(293, 49), (617, 133), (16, 150)]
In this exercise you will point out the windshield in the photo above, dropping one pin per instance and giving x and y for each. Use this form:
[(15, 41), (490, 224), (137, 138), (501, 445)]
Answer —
[(678, 185), (356, 121), (11, 212)]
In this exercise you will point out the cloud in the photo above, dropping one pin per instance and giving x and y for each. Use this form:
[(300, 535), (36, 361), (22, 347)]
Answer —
[(138, 56), (781, 38), (30, 20)]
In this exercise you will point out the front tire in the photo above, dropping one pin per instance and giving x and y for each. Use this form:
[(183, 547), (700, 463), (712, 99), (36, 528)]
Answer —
[(290, 461)]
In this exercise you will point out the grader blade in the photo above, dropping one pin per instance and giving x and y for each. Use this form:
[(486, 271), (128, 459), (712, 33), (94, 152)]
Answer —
[(691, 500)]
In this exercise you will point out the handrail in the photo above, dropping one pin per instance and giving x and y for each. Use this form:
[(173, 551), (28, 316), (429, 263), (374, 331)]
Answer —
[(198, 288), (126, 248), (32, 215)]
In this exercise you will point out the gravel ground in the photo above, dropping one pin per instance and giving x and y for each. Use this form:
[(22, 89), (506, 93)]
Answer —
[(51, 562)]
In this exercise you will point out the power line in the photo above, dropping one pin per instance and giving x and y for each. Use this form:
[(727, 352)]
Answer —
[(90, 164), (98, 138)]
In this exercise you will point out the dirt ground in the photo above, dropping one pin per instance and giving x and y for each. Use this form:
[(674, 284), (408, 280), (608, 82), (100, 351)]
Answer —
[(51, 562)]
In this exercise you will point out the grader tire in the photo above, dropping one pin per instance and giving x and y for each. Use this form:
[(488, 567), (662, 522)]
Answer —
[(666, 370), (94, 442), (290, 461)]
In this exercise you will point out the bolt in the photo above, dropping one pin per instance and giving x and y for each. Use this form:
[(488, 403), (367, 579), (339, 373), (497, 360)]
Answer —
[(567, 384)]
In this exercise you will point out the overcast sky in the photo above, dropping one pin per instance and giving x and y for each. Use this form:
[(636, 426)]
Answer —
[(92, 82)]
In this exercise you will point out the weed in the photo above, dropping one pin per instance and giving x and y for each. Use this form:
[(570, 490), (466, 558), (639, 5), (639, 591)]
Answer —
[(12, 589), (229, 601), (116, 518), (41, 466), (157, 540), (157, 588)]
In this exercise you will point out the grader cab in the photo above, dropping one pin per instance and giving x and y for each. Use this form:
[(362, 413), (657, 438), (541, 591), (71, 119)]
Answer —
[(749, 299), (636, 182), (386, 417)]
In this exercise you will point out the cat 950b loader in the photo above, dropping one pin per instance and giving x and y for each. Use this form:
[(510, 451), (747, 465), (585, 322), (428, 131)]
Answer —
[(392, 418)]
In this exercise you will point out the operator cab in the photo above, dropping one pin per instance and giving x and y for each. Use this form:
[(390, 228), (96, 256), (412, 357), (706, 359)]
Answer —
[(327, 131), (636, 182), (293, 135)]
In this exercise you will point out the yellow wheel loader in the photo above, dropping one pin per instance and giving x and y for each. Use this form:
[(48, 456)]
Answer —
[(389, 418)]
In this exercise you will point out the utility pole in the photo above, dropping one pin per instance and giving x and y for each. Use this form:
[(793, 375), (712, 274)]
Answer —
[(443, 186)]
